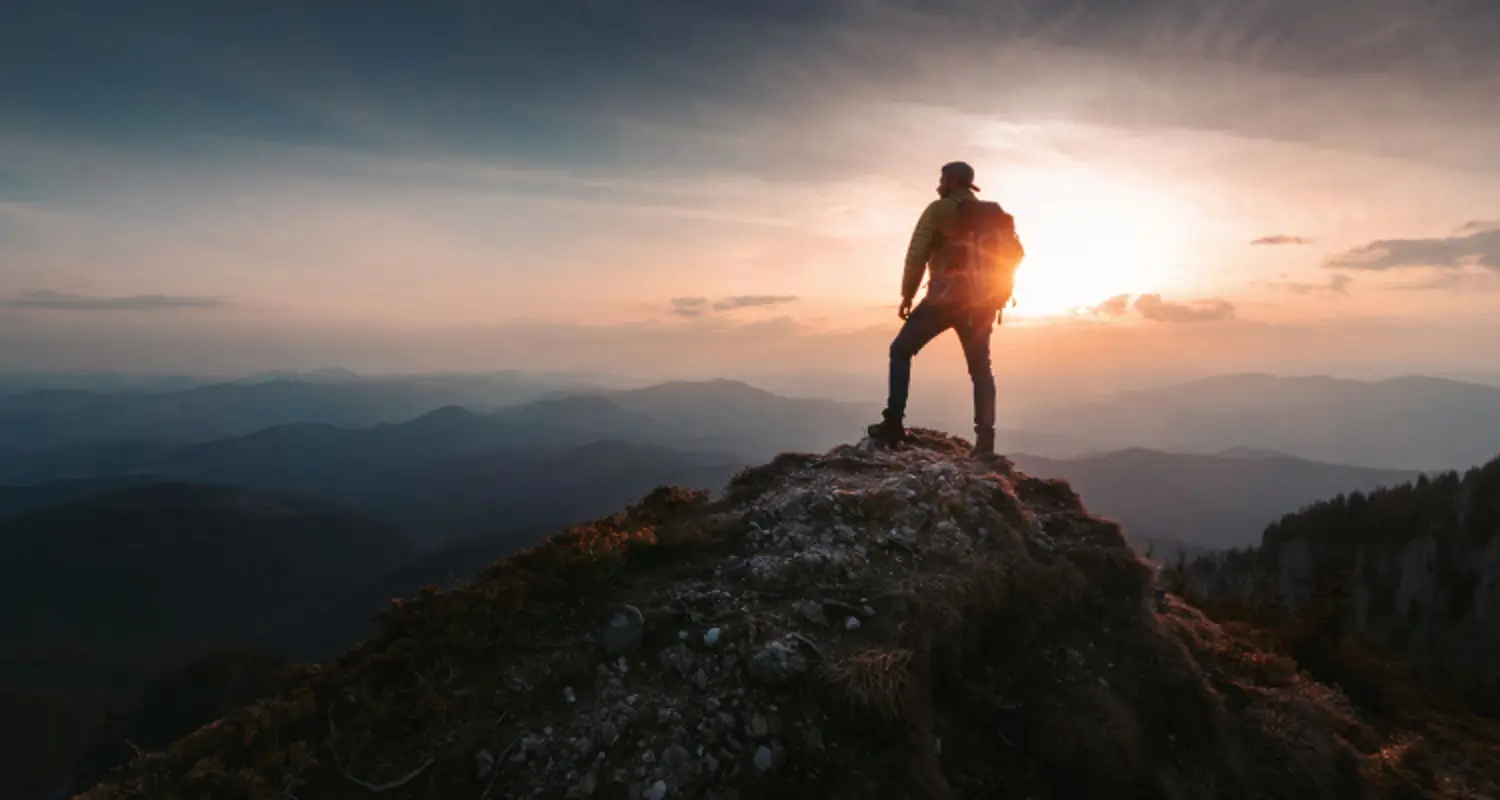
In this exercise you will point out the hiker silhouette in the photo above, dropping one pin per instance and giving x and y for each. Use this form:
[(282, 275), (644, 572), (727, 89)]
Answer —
[(970, 249)]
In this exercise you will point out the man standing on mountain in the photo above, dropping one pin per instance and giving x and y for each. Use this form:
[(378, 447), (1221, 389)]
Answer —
[(971, 250)]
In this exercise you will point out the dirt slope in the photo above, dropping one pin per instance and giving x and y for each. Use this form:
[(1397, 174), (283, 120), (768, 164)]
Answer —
[(862, 624)]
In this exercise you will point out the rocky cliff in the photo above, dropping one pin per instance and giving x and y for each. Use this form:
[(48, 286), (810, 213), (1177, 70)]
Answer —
[(860, 624)]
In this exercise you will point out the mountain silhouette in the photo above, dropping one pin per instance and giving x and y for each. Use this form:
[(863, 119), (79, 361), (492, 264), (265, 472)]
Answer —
[(864, 623), (1207, 501), (32, 422), (1403, 423), (119, 586)]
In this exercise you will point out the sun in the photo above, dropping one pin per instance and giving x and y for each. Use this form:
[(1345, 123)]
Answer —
[(1087, 238)]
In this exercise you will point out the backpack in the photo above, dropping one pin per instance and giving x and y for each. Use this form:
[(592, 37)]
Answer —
[(987, 251)]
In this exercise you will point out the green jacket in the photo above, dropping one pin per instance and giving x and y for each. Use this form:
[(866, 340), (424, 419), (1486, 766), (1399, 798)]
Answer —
[(928, 248)]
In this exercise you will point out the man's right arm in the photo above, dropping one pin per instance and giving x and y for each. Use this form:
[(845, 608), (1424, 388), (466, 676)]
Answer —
[(920, 249)]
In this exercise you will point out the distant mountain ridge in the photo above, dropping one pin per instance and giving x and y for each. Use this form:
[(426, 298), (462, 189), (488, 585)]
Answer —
[(36, 421), (1412, 422), (1203, 500)]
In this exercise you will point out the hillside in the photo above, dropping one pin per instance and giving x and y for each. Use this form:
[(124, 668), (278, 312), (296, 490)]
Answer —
[(1402, 423), (445, 476), (862, 624), (1218, 501), (1416, 568), (354, 619), (16, 501), (106, 591)]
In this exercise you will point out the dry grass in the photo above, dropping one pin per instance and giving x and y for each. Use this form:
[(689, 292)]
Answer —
[(877, 680)]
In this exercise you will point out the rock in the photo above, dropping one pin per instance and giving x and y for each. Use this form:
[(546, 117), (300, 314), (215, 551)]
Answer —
[(814, 560), (606, 734), (678, 659), (657, 791), (676, 756), (711, 636), (623, 632), (812, 612), (764, 758), (569, 695), (780, 661), (531, 746), (585, 786), (680, 764), (758, 728), (764, 571), (851, 624), (484, 761)]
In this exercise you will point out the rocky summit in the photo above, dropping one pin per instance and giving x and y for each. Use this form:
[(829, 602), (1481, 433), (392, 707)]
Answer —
[(867, 623)]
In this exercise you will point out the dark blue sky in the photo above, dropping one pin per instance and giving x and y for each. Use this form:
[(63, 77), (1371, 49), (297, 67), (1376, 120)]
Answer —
[(542, 74), (479, 74), (553, 80)]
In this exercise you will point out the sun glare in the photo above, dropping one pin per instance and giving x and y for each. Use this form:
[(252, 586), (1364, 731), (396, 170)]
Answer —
[(1087, 238)]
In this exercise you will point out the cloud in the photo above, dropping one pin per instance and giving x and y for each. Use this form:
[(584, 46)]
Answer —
[(1281, 238), (1479, 225), (1462, 281), (1337, 284), (1154, 308), (1117, 306), (753, 301), (695, 307), (59, 301), (1479, 248), (689, 306)]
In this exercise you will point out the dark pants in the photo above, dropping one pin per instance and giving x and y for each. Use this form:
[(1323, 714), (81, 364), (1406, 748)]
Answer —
[(926, 322)]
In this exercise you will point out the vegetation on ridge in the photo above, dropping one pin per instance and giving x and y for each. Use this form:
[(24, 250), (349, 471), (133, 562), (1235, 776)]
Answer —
[(910, 624)]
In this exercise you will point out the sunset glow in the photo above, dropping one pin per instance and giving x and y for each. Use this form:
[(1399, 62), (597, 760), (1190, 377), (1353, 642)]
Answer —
[(1089, 238), (712, 180)]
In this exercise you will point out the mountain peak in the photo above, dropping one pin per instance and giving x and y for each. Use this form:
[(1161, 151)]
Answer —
[(862, 623), (446, 416)]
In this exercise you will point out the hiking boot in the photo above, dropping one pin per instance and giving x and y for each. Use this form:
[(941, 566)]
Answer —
[(888, 431), (984, 443)]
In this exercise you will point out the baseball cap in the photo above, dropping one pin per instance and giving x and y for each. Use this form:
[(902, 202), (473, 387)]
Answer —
[(961, 172)]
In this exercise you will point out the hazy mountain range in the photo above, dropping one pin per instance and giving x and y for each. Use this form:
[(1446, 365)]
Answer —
[(1402, 423), (36, 421), (1220, 501)]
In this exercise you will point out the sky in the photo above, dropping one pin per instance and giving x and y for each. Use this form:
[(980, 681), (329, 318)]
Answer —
[(714, 188)]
